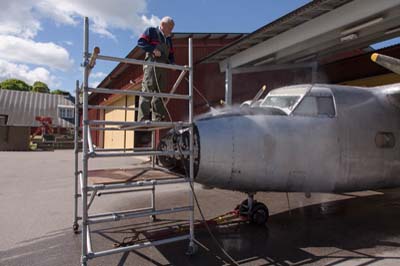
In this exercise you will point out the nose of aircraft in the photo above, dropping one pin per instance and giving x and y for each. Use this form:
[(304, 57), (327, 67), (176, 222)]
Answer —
[(213, 151), (179, 142), (227, 150)]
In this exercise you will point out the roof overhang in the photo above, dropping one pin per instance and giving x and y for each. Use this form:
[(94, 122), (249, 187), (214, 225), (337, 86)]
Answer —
[(315, 31)]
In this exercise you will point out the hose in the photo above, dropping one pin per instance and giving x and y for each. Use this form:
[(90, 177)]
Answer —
[(234, 262)]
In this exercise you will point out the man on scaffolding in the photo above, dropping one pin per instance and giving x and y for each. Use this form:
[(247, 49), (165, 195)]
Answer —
[(157, 43)]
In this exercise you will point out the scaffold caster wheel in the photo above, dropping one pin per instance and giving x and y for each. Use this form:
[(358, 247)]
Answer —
[(192, 249), (153, 218), (259, 214), (75, 227)]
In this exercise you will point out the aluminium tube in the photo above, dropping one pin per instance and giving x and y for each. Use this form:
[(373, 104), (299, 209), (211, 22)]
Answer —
[(153, 147), (108, 107), (76, 153), (178, 81), (89, 240), (138, 246), (139, 93), (191, 171), (141, 62), (139, 153), (85, 140), (90, 142), (143, 183)]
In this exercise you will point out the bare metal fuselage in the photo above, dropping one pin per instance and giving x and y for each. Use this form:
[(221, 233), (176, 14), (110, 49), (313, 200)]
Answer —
[(355, 149)]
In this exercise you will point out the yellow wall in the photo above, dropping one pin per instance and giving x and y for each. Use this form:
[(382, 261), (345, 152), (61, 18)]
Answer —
[(375, 80), (119, 139)]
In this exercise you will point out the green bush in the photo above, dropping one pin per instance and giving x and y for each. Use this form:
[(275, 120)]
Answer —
[(14, 84), (60, 92), (39, 86)]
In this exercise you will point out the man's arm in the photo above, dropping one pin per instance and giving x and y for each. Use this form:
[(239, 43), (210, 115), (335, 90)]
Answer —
[(171, 56), (146, 40)]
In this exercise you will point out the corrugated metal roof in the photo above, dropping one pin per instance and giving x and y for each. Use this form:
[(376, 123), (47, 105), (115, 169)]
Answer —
[(22, 107), (299, 16), (207, 35)]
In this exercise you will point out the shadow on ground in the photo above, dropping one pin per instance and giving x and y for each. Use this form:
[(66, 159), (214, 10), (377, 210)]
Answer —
[(323, 234)]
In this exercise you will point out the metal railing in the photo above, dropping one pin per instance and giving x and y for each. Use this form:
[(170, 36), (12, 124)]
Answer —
[(89, 151)]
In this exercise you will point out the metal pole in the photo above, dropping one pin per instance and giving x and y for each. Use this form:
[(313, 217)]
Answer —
[(90, 142), (85, 140), (314, 75), (228, 85), (153, 202), (178, 81), (153, 147), (191, 171), (75, 225)]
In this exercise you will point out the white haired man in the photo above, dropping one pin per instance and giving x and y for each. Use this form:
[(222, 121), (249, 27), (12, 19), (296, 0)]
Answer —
[(157, 43)]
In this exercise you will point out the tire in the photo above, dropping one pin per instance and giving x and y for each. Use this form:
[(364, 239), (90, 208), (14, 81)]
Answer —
[(259, 214)]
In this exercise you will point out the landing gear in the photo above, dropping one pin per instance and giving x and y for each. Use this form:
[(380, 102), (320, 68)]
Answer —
[(257, 212)]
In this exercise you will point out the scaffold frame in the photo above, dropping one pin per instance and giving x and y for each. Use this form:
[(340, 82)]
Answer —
[(87, 193)]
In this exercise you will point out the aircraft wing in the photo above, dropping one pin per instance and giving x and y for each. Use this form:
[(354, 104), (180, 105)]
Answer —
[(388, 62)]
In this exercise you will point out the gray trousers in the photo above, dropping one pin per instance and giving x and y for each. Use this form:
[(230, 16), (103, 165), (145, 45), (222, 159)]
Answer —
[(153, 81)]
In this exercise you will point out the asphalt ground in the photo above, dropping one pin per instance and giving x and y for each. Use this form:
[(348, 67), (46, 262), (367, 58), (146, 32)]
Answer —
[(36, 215)]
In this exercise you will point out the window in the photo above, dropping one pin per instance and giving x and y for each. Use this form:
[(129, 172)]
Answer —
[(325, 106), (3, 120), (66, 112), (316, 106), (281, 101)]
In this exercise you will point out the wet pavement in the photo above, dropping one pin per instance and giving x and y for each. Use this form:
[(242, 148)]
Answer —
[(36, 213)]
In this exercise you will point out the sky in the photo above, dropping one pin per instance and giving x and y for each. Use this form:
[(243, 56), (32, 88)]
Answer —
[(42, 39)]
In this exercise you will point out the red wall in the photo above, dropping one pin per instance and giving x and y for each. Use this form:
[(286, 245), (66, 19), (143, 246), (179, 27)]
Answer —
[(207, 79)]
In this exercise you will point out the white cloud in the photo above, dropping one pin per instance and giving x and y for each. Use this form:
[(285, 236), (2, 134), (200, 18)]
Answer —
[(70, 43), (22, 17), (94, 84), (17, 18), (96, 78), (21, 20), (98, 75), (104, 14), (18, 50), (25, 73)]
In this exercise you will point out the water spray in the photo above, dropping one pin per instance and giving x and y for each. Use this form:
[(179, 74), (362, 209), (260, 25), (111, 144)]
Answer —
[(204, 98)]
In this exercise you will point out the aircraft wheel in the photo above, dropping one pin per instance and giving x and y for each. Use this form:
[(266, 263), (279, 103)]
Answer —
[(243, 207), (259, 214)]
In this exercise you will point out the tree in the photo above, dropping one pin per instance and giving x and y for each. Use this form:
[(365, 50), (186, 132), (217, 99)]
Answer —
[(14, 84), (60, 92), (39, 86)]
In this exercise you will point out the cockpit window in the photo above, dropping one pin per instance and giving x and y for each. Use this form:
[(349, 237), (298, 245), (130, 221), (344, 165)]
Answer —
[(326, 106), (286, 98), (283, 102), (316, 106)]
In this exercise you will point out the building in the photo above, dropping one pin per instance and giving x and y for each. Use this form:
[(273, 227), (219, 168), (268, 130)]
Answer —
[(308, 39), (310, 44), (18, 112), (126, 76)]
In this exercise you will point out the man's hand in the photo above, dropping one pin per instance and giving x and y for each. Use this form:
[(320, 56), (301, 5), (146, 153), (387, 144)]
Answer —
[(157, 53)]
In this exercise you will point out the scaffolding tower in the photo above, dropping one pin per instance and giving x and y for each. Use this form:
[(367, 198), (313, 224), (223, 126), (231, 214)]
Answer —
[(86, 192)]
